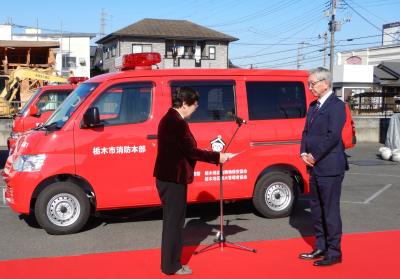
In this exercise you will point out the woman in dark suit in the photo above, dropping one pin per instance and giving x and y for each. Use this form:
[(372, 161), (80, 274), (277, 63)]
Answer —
[(174, 168)]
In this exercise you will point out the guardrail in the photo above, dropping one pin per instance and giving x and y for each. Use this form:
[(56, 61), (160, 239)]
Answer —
[(2, 195)]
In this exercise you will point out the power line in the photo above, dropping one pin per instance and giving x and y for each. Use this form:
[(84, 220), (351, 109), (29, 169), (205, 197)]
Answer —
[(279, 59), (262, 13), (379, 3), (269, 53), (384, 20), (294, 56), (369, 22), (279, 65), (293, 44), (41, 28), (287, 25), (296, 31)]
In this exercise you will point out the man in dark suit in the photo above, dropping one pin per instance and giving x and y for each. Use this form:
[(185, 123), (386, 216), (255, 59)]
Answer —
[(322, 150), (174, 168)]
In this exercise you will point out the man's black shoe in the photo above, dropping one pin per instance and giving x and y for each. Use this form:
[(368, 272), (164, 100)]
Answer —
[(328, 261), (317, 253)]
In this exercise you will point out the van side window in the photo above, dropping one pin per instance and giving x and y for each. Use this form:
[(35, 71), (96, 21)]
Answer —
[(217, 100), (50, 100), (125, 103), (276, 100)]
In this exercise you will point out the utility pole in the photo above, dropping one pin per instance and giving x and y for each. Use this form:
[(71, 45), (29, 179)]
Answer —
[(325, 47), (299, 55), (332, 29), (37, 29), (103, 15)]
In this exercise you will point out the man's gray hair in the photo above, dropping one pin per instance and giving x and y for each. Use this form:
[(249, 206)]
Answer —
[(322, 74)]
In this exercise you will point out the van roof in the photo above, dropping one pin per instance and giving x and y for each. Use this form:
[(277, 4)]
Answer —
[(58, 87), (198, 72)]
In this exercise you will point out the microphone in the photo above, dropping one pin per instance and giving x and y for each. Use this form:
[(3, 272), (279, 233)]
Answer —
[(237, 119)]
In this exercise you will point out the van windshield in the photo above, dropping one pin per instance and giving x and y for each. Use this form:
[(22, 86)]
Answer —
[(28, 104), (71, 103)]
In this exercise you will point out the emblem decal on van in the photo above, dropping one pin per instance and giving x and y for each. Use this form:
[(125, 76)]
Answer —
[(217, 144)]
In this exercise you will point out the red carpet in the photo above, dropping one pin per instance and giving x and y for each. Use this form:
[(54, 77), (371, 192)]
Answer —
[(366, 255)]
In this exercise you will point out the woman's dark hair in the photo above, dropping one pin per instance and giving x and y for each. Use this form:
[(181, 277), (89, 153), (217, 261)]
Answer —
[(184, 95)]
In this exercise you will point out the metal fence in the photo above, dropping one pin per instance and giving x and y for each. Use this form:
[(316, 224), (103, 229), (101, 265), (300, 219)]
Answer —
[(375, 103)]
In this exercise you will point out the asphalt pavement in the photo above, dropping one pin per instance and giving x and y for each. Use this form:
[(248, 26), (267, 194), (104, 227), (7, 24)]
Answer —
[(370, 202)]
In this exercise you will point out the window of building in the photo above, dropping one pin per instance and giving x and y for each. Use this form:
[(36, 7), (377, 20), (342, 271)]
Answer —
[(139, 48), (211, 52), (68, 61), (217, 100), (114, 51), (82, 61), (107, 52), (188, 52), (125, 103), (276, 100)]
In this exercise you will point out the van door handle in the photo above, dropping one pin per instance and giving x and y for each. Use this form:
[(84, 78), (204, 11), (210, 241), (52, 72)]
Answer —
[(150, 137)]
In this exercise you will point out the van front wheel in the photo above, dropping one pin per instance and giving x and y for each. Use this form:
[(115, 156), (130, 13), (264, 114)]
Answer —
[(274, 195), (62, 208)]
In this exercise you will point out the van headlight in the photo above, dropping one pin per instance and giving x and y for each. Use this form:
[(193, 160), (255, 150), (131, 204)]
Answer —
[(14, 136), (29, 163)]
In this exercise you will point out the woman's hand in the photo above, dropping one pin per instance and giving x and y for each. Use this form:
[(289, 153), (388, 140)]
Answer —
[(225, 157)]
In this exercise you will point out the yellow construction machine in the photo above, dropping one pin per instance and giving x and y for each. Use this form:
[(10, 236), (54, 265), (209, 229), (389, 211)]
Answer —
[(11, 90)]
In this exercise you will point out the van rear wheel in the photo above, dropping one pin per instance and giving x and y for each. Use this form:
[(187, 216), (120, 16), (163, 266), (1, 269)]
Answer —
[(62, 208), (274, 195)]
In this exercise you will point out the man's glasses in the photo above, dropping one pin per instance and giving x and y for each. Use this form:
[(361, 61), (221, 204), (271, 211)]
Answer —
[(313, 83)]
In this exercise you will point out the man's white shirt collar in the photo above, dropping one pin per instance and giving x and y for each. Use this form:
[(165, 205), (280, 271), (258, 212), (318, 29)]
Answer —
[(324, 98)]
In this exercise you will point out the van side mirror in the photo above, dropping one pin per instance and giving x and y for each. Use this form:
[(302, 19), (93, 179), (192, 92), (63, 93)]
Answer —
[(34, 111), (91, 118)]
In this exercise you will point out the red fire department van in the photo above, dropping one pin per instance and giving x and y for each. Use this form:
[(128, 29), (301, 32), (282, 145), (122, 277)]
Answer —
[(98, 149), (38, 109)]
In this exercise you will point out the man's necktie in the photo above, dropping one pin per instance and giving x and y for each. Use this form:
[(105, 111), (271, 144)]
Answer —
[(318, 105)]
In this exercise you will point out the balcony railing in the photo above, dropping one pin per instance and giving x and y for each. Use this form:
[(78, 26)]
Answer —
[(185, 56)]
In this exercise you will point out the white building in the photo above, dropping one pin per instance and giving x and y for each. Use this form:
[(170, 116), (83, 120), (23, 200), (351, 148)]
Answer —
[(391, 33), (359, 70), (73, 56), (369, 56), (349, 80)]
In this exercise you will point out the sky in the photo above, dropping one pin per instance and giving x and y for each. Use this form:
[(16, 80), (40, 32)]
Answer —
[(272, 33)]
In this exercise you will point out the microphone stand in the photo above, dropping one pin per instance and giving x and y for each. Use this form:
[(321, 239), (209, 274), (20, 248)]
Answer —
[(220, 237)]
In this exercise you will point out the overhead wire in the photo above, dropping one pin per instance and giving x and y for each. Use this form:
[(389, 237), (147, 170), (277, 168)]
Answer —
[(293, 22), (302, 54), (364, 18), (286, 64), (361, 7), (266, 11)]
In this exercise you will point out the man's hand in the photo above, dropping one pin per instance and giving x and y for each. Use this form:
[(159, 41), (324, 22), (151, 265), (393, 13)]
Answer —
[(308, 159), (311, 159)]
